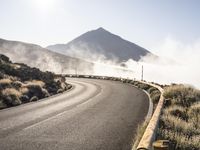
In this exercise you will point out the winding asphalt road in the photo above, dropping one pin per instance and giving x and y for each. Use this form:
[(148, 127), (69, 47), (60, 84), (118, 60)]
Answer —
[(95, 115)]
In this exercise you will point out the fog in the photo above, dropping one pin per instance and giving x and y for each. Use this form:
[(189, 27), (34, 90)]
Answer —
[(178, 62), (36, 56)]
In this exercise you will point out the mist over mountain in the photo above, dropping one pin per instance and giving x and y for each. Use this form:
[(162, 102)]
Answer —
[(36, 56), (102, 43), (96, 52)]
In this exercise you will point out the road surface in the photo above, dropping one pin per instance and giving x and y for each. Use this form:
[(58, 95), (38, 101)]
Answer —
[(95, 115)]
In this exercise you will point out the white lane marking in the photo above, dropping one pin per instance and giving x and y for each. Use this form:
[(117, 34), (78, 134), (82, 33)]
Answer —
[(59, 114)]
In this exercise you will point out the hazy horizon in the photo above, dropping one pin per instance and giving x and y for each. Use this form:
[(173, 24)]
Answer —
[(166, 28), (57, 21)]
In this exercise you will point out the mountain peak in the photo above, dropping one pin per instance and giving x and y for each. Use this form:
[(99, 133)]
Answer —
[(102, 42), (101, 29)]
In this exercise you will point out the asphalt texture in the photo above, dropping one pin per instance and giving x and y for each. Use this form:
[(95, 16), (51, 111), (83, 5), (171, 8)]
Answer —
[(94, 115)]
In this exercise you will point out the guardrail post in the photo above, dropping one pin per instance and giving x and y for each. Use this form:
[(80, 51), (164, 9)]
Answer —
[(161, 145)]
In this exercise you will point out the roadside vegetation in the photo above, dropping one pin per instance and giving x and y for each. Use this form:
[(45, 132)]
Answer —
[(139, 133), (180, 120), (155, 96), (20, 83), (153, 92)]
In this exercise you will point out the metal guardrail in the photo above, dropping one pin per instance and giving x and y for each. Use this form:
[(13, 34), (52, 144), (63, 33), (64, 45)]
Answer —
[(149, 134)]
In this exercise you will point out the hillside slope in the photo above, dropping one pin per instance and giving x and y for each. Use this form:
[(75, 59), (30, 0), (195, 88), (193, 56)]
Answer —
[(20, 83), (36, 56), (101, 43)]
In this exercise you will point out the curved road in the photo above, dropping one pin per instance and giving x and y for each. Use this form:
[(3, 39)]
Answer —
[(95, 115)]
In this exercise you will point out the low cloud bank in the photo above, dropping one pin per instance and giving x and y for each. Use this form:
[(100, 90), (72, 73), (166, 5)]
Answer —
[(178, 63)]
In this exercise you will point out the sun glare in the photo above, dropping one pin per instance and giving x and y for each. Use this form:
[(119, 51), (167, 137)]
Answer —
[(44, 5)]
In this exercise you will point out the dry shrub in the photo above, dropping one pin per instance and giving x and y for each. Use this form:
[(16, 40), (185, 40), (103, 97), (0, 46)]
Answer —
[(180, 121), (194, 109), (17, 84), (25, 98), (34, 98), (150, 90), (144, 86), (139, 133), (194, 115), (153, 91), (24, 90), (69, 86), (5, 81), (35, 89), (135, 83), (181, 141), (155, 96), (177, 111), (35, 83), (64, 86), (178, 125), (60, 91), (11, 91), (11, 96), (45, 93), (182, 95), (15, 66)]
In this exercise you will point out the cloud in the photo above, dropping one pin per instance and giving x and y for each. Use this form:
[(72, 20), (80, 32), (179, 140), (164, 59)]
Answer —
[(179, 63)]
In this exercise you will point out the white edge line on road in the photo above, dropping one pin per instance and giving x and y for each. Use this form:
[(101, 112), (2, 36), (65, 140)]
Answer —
[(150, 111)]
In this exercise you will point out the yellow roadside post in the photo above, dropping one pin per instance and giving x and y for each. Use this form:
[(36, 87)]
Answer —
[(161, 145)]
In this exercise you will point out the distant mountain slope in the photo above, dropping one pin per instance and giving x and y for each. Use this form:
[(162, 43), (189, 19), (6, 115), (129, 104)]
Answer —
[(36, 56), (103, 43)]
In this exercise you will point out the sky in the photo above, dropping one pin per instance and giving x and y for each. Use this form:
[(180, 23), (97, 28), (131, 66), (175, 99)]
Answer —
[(168, 28), (144, 22)]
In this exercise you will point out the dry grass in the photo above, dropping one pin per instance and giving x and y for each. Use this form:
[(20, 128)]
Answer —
[(155, 96), (181, 141), (153, 91), (15, 66), (20, 83), (5, 81), (11, 96), (194, 115), (178, 125), (35, 83), (11, 91), (139, 133), (182, 95), (180, 121), (45, 92), (177, 111), (35, 88), (24, 90)]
